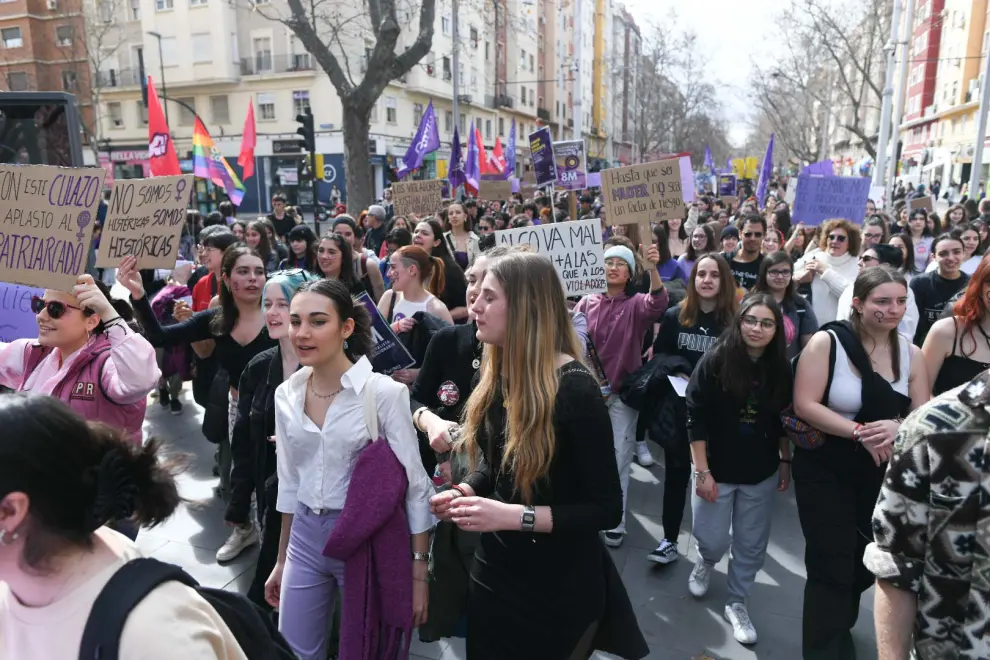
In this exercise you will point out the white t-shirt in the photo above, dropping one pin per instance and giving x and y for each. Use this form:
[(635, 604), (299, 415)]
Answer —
[(172, 622)]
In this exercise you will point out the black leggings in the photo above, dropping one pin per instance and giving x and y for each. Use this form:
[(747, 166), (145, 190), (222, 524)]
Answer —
[(836, 487), (677, 476)]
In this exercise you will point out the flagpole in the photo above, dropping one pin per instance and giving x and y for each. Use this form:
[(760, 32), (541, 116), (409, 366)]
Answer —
[(257, 185), (456, 62)]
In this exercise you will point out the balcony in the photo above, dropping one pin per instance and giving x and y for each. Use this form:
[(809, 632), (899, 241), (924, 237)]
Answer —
[(543, 114), (265, 63), (504, 101), (118, 78)]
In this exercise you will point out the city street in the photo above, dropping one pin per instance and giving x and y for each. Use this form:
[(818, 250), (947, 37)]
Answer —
[(677, 627)]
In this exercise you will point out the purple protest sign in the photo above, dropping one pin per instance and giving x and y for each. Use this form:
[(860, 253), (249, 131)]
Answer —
[(727, 185), (821, 198), (17, 321), (388, 355), (571, 167), (541, 148), (823, 168), (594, 179)]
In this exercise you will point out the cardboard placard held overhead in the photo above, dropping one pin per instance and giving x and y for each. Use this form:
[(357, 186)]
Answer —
[(144, 220), (46, 220), (417, 197), (494, 189), (641, 194), (920, 203), (575, 248)]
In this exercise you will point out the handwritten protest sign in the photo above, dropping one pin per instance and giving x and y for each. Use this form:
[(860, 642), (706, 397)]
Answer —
[(541, 149), (495, 189), (388, 354), (575, 248), (571, 168), (640, 194), (418, 197), (820, 198), (144, 220), (46, 220), (920, 203), (17, 321)]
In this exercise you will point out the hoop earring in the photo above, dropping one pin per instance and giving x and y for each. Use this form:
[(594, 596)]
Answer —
[(4, 539)]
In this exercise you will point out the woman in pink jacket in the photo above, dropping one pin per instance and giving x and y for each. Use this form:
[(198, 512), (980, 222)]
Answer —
[(617, 323)]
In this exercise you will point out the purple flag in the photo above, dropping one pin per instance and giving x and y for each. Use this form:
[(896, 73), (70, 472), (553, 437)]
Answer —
[(456, 172), (472, 167), (766, 171), (709, 162), (822, 168), (510, 155), (427, 141)]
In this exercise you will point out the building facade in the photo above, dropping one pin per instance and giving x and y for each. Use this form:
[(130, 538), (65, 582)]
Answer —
[(921, 104)]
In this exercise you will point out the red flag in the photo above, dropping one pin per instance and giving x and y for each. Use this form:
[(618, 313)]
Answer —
[(486, 166), (246, 158), (497, 156), (161, 151)]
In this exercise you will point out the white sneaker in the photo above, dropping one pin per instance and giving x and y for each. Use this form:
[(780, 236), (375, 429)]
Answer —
[(242, 538), (742, 626), (700, 578), (643, 455)]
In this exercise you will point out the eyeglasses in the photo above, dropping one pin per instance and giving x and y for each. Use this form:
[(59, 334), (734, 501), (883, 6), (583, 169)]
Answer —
[(838, 238), (753, 322), (288, 272), (865, 259), (872, 236), (752, 234), (55, 308), (616, 263), (779, 273)]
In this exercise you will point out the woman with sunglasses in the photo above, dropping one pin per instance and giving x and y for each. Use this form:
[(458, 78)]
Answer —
[(882, 255), (741, 456), (776, 279), (831, 267), (84, 340)]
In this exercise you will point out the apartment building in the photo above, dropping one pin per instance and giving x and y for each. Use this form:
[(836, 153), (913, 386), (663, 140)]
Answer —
[(43, 48), (921, 105)]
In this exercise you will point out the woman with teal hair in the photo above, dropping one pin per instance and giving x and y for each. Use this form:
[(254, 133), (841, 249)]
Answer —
[(253, 451)]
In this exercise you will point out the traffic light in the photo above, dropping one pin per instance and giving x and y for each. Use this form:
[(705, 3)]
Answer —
[(318, 170), (306, 130)]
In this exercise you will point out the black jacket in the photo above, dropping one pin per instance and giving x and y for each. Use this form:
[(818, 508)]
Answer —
[(417, 340), (253, 455), (661, 410)]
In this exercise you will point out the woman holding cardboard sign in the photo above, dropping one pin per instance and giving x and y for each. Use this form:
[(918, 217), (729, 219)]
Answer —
[(617, 322)]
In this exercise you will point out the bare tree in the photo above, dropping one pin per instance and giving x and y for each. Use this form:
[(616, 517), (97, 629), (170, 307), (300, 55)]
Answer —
[(831, 66), (334, 33)]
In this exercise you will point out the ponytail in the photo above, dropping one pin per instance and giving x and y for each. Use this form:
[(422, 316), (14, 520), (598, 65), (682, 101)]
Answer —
[(438, 278)]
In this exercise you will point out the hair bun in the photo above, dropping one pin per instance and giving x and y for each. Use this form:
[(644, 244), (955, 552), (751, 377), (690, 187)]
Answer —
[(116, 492)]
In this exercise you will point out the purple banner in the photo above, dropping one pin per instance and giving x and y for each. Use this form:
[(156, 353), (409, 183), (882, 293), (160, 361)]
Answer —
[(388, 355), (572, 172), (727, 185), (822, 168), (17, 321), (594, 179), (541, 148), (821, 198)]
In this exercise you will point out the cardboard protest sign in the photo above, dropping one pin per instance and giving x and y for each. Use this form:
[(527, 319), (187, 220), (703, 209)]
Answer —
[(388, 354), (541, 149), (920, 203), (494, 189), (640, 194), (821, 198), (17, 321), (144, 220), (418, 197), (572, 171), (46, 220), (575, 248)]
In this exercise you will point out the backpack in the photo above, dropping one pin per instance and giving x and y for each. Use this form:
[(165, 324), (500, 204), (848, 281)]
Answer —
[(255, 633)]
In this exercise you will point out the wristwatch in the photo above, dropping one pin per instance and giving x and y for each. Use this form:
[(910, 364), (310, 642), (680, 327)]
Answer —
[(528, 519), (421, 556)]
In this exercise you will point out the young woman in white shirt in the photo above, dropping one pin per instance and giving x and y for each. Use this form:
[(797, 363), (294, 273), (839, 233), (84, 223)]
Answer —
[(415, 277), (56, 555), (320, 430)]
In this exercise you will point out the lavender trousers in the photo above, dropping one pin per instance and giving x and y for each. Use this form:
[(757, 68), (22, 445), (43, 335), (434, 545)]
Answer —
[(309, 584)]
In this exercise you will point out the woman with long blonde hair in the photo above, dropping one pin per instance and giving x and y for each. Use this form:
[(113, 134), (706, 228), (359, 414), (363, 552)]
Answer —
[(544, 479)]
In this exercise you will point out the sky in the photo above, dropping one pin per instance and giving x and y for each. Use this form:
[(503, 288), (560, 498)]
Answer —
[(731, 33)]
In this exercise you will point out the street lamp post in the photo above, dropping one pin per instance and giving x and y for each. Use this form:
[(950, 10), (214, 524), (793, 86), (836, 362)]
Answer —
[(161, 64)]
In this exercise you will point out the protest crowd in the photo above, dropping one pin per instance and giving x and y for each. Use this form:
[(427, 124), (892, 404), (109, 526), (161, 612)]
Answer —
[(426, 417)]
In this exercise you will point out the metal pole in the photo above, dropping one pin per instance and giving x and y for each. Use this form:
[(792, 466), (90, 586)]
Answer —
[(578, 105), (981, 131), (888, 91), (898, 109), (161, 65), (456, 59), (823, 148)]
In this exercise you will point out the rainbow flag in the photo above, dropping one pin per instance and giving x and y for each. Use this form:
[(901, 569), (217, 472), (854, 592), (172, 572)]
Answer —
[(208, 163)]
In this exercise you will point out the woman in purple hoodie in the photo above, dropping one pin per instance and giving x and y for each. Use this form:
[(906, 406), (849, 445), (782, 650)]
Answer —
[(617, 322)]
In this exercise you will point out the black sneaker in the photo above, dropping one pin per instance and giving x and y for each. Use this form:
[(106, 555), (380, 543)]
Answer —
[(614, 539), (666, 553), (163, 398), (176, 406)]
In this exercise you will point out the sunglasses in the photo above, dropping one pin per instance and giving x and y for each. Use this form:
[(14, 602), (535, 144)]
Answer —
[(865, 259), (838, 238), (752, 234), (55, 308)]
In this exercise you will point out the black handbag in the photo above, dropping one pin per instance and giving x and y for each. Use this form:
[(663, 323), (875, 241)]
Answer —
[(215, 411)]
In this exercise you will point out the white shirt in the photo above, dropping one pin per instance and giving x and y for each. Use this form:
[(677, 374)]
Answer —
[(315, 465)]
